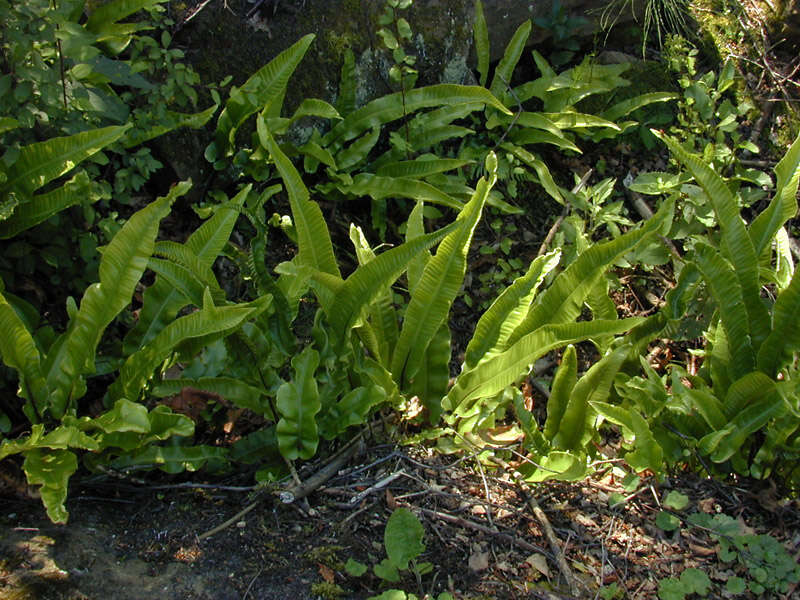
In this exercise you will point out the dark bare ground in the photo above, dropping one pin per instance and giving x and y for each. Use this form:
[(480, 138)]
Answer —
[(131, 542)]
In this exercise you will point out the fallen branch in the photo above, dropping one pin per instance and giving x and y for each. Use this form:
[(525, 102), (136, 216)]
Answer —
[(555, 546), (301, 490), (483, 529)]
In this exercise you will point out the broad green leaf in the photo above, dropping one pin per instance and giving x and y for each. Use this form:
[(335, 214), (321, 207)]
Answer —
[(727, 292), (784, 203), (545, 178), (560, 391), (125, 416), (762, 408), (372, 278), (162, 301), (576, 426), (621, 109), (169, 121), (208, 321), (315, 248), (357, 151), (402, 538), (496, 325), (232, 390), (18, 351), (434, 294), (41, 207), (122, 264), (172, 459), (261, 91), (558, 466), (298, 403), (433, 377), (346, 102), (745, 391), (110, 12), (736, 242), (51, 470), (647, 453), (391, 107), (378, 188), (497, 371), (505, 68), (45, 161), (418, 168), (481, 35), (563, 300), (784, 338), (415, 227)]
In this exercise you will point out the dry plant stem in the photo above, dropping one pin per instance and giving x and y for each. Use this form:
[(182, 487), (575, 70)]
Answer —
[(554, 229), (555, 546), (298, 491), (483, 529)]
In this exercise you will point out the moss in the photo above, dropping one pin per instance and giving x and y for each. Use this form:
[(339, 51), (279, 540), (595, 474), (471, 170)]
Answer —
[(328, 591), (326, 555)]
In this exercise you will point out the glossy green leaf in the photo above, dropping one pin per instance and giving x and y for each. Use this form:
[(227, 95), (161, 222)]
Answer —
[(784, 339), (402, 538), (261, 91), (560, 391), (481, 35), (208, 321), (41, 207), (434, 294), (505, 68), (163, 300), (418, 168), (229, 389), (784, 203), (378, 188), (497, 371), (298, 403), (51, 470), (647, 453), (315, 248), (18, 351), (391, 107), (495, 326), (43, 162), (122, 264), (545, 178), (625, 107)]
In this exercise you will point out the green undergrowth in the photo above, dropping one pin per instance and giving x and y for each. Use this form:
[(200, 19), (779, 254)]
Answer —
[(156, 348)]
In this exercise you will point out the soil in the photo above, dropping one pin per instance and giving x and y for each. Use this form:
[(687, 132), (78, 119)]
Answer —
[(130, 541)]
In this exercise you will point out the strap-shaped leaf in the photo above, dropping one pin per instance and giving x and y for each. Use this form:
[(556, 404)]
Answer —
[(736, 243), (545, 178), (315, 248), (497, 371), (45, 161), (560, 391), (373, 278), (728, 294), (169, 121), (536, 136), (433, 376), (621, 109), (421, 167), (114, 11), (391, 107), (564, 299), (346, 102), (505, 68), (43, 206), (208, 321), (481, 35), (240, 393), (415, 227), (647, 453), (496, 325), (574, 120), (18, 350), (262, 90), (434, 294), (51, 469), (162, 301), (784, 203), (357, 151), (367, 184), (298, 403), (123, 262), (784, 339), (576, 428), (383, 316)]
